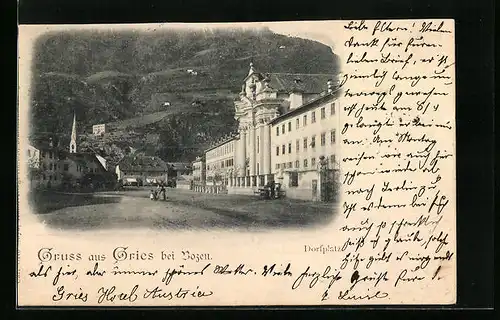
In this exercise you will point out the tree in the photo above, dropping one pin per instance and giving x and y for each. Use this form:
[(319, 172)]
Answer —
[(215, 174)]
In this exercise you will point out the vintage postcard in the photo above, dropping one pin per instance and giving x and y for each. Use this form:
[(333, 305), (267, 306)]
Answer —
[(237, 164)]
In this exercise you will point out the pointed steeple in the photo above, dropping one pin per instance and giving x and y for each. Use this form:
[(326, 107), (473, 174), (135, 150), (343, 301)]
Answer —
[(252, 69), (72, 144)]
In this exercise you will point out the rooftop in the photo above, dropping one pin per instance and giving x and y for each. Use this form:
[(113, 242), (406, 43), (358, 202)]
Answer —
[(143, 163), (45, 145), (287, 82), (179, 165), (307, 83), (306, 106), (221, 141), (83, 158)]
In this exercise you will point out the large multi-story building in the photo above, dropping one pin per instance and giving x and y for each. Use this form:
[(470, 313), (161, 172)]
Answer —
[(44, 164), (304, 144), (199, 171), (219, 160), (287, 133)]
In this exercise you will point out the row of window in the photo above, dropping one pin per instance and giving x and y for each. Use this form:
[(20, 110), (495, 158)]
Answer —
[(138, 173), (222, 164), (54, 166), (83, 169), (227, 163), (54, 177), (50, 178), (50, 154), (284, 126), (306, 143), (288, 165), (222, 150)]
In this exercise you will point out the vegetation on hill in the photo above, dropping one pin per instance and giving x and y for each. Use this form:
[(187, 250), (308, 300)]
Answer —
[(107, 76)]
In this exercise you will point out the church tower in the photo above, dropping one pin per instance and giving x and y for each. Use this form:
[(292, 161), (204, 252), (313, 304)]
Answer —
[(72, 144), (258, 105)]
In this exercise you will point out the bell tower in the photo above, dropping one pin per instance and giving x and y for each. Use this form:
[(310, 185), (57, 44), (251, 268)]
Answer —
[(257, 106), (72, 144)]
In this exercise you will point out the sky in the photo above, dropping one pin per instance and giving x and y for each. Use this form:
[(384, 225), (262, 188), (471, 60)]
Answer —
[(321, 31)]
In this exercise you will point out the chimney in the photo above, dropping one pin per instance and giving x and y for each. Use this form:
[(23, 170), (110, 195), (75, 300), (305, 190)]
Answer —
[(296, 98)]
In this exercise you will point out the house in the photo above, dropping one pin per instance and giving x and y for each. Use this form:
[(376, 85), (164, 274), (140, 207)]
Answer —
[(33, 157), (288, 133), (199, 170), (43, 164), (142, 167), (180, 174), (177, 169), (83, 169), (54, 167), (220, 161), (78, 164), (304, 146), (99, 129), (103, 161)]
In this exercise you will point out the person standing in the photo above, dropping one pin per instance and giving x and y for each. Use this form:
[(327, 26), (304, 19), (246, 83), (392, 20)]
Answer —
[(278, 190), (273, 185), (164, 192), (267, 189), (158, 191)]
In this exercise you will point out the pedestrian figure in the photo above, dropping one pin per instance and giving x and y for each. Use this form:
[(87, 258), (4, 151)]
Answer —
[(267, 189), (272, 189), (163, 192), (278, 189), (152, 195)]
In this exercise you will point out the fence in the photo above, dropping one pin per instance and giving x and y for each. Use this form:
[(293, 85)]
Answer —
[(209, 188)]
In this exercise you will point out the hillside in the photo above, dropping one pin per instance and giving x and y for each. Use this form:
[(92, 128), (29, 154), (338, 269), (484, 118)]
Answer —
[(192, 76)]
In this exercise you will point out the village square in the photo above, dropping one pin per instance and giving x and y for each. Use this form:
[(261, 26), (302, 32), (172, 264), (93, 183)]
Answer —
[(278, 168)]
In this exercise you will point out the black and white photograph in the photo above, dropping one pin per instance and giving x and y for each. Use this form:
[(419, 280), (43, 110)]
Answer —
[(237, 164), (216, 127)]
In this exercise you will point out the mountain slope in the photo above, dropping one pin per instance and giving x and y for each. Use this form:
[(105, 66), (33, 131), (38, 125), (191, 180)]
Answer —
[(108, 76)]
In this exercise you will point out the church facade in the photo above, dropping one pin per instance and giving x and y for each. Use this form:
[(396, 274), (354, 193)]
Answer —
[(287, 133)]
